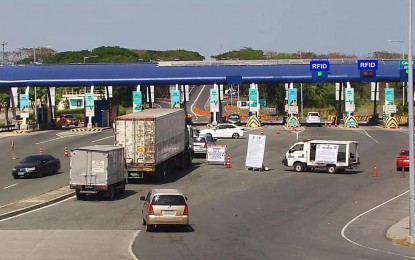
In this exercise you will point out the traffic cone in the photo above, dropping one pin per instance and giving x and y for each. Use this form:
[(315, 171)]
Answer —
[(325, 123), (375, 171), (289, 130), (41, 150), (335, 123), (278, 131), (228, 163), (66, 151), (262, 131), (329, 124)]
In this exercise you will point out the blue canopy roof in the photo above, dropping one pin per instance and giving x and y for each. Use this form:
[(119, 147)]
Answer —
[(197, 73)]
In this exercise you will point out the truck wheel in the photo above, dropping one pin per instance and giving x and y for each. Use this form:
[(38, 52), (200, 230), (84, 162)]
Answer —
[(298, 167), (331, 169), (111, 192), (122, 189), (79, 195)]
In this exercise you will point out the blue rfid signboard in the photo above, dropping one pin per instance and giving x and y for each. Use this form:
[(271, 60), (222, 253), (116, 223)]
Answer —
[(320, 70), (367, 64), (319, 65)]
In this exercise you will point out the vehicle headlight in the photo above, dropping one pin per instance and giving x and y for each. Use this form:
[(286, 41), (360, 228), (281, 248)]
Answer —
[(31, 169), (14, 169)]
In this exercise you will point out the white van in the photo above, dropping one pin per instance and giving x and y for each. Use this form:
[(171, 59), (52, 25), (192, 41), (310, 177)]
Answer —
[(333, 156)]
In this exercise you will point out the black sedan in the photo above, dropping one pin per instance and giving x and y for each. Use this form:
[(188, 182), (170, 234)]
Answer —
[(36, 166)]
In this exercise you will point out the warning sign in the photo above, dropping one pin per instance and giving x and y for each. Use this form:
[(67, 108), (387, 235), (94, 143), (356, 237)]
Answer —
[(216, 154), (255, 152)]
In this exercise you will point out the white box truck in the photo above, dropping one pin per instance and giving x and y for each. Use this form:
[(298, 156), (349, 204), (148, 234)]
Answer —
[(154, 140), (97, 169), (333, 156)]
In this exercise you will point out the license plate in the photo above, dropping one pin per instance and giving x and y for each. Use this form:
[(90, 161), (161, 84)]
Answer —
[(169, 212), (134, 174), (20, 173), (88, 186)]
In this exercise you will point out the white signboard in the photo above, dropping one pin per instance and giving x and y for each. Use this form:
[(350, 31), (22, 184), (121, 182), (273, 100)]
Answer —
[(216, 154), (327, 153), (389, 109), (350, 107), (374, 89), (98, 167), (255, 152), (293, 110)]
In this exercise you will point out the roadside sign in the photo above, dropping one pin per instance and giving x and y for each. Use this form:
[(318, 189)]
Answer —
[(255, 151), (327, 153), (216, 154), (389, 109), (292, 97), (253, 98), (214, 100), (262, 102), (89, 105), (367, 64), (319, 65), (137, 101), (389, 96), (24, 105), (349, 95), (175, 98)]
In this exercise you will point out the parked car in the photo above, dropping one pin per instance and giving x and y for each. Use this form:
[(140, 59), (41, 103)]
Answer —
[(36, 166), (165, 207), (67, 120), (402, 160), (201, 143), (234, 119), (313, 118), (225, 130)]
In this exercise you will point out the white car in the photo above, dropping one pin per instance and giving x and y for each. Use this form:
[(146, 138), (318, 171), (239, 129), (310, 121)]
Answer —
[(313, 118), (224, 131)]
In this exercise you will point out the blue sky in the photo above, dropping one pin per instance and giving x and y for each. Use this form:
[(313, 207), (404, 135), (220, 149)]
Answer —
[(209, 27)]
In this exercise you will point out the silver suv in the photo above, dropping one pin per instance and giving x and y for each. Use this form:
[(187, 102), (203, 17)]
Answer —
[(165, 207), (313, 118)]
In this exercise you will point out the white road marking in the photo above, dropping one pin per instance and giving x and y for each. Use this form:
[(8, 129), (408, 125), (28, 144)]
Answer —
[(98, 140), (9, 186), (130, 249), (364, 213), (364, 132)]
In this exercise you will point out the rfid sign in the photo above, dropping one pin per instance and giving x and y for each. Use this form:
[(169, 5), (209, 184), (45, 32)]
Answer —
[(319, 65), (320, 70), (367, 64)]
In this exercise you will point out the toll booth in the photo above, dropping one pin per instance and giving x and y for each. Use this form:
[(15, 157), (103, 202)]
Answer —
[(102, 113)]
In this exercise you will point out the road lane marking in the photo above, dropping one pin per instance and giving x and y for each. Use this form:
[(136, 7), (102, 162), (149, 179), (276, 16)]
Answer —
[(98, 140), (130, 249), (9, 186), (364, 213), (193, 104), (364, 132)]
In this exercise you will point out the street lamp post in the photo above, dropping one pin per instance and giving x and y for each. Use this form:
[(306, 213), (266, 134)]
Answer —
[(3, 43), (403, 57), (411, 237)]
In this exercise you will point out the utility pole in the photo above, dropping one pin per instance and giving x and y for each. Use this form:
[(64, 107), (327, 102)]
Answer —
[(2, 44)]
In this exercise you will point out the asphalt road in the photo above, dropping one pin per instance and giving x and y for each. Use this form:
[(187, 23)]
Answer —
[(236, 214)]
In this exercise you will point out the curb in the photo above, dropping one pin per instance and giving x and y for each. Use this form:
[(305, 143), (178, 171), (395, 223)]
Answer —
[(22, 131), (34, 206)]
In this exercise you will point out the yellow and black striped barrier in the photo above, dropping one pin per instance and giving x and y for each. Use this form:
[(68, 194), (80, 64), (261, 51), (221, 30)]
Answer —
[(392, 122), (292, 122), (351, 122), (86, 130), (253, 122)]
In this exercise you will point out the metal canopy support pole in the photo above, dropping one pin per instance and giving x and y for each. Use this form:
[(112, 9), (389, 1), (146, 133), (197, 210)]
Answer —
[(410, 95), (375, 116)]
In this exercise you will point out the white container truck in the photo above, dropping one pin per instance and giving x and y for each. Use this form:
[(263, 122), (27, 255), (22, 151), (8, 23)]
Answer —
[(97, 169), (333, 156), (154, 140)]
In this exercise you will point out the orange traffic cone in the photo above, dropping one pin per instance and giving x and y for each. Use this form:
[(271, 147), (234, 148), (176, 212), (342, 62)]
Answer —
[(278, 131), (262, 131), (375, 171), (66, 151), (41, 150), (325, 123), (228, 163), (329, 124), (289, 130), (335, 123)]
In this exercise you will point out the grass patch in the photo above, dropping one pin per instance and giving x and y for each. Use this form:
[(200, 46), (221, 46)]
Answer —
[(403, 242)]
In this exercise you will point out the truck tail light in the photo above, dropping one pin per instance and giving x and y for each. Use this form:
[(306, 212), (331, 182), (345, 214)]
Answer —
[(103, 188), (205, 145), (150, 210), (186, 210)]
